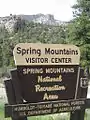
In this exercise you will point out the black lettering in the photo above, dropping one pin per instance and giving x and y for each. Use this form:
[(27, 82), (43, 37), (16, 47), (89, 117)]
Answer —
[(23, 52), (47, 50), (69, 60), (46, 60), (33, 60), (76, 52), (27, 51), (39, 52), (27, 60), (19, 50), (52, 60)]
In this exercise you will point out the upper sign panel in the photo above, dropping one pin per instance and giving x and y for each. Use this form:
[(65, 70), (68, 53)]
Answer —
[(46, 54)]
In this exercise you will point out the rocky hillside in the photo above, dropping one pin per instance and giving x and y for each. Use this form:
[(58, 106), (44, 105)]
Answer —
[(9, 21), (41, 18)]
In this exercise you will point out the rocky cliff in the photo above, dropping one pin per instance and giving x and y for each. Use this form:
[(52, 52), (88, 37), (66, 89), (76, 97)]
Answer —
[(9, 21)]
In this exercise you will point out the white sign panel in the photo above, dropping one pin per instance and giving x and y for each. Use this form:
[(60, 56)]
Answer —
[(46, 54)]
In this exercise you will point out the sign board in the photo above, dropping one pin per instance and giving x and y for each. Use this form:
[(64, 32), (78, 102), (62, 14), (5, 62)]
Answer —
[(24, 109), (48, 83), (47, 72), (44, 108), (46, 54)]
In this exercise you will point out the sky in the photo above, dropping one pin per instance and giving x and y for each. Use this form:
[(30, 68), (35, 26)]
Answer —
[(61, 9)]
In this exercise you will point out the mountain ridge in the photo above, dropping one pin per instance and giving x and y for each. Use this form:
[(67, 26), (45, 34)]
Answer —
[(9, 21)]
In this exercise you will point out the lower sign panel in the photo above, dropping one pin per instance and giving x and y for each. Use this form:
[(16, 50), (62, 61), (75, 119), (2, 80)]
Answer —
[(33, 109), (48, 83)]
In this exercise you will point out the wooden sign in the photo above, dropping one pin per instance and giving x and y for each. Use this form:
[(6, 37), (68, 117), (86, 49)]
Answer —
[(47, 72), (47, 80), (48, 83)]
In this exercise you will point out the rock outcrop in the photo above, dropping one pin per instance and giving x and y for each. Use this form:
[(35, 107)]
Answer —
[(9, 21)]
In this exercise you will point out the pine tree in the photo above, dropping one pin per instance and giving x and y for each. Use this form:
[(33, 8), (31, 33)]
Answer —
[(80, 32)]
